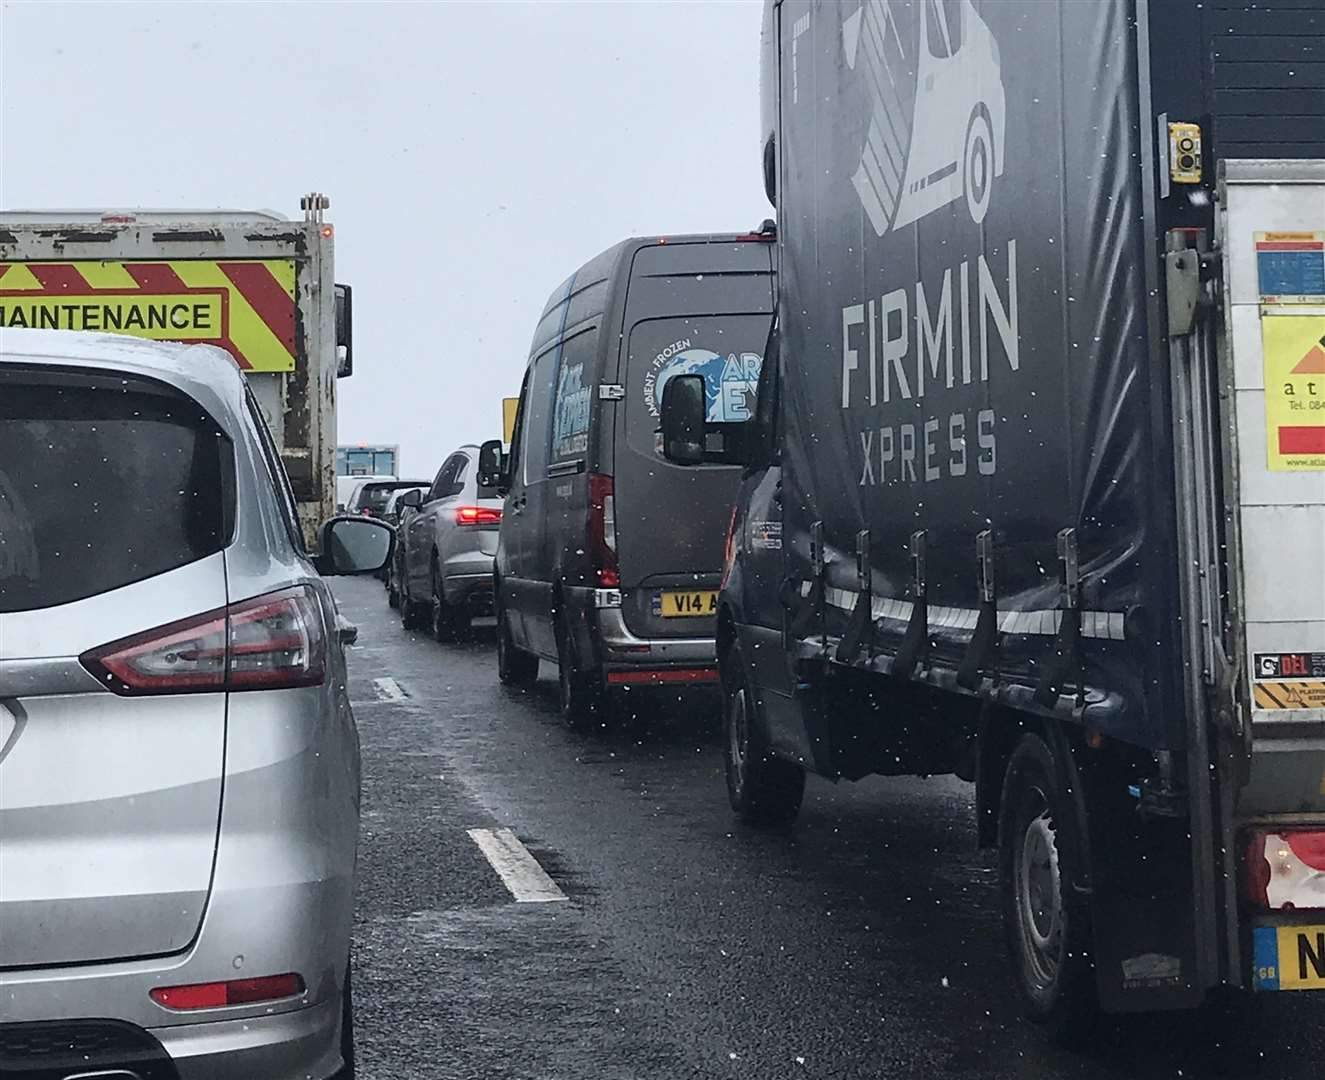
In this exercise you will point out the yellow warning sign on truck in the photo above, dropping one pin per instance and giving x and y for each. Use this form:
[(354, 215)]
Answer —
[(1294, 694), (246, 306), (1294, 347)]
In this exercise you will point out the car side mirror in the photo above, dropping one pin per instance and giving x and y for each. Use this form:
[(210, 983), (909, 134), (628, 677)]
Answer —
[(413, 497), (492, 465), (684, 410), (355, 545)]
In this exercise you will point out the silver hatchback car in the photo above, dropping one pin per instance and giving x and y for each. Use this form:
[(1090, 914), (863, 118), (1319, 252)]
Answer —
[(179, 767)]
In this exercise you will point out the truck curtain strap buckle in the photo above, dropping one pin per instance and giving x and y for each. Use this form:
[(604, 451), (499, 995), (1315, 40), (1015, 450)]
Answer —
[(1064, 663), (860, 626), (983, 646), (914, 649)]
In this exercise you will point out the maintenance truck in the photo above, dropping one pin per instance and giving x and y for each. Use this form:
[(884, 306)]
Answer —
[(255, 283), (1034, 491)]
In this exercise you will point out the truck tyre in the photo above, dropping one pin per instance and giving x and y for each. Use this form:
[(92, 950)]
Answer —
[(763, 788), (1046, 922), (583, 703), (448, 623), (978, 165), (515, 667)]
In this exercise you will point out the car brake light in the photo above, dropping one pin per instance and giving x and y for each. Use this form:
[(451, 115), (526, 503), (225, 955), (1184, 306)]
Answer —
[(477, 515), (1284, 870), (218, 995), (270, 642), (602, 530)]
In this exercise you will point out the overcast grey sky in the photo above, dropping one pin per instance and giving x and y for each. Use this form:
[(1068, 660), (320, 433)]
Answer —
[(475, 154)]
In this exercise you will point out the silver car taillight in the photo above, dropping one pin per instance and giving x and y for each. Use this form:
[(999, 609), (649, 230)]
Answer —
[(270, 642)]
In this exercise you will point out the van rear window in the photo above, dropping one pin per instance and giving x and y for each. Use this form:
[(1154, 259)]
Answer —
[(726, 349), (103, 483)]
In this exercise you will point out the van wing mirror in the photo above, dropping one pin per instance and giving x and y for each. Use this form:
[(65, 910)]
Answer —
[(688, 436), (684, 410), (492, 465)]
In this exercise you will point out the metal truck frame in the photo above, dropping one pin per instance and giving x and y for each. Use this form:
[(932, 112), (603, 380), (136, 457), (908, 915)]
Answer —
[(299, 405)]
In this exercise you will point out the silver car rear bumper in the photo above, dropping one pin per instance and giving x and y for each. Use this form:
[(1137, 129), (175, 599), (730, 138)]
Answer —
[(288, 1046)]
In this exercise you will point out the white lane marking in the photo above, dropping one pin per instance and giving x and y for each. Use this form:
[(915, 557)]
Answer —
[(389, 690), (518, 869)]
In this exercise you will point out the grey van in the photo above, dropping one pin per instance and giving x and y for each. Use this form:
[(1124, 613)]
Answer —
[(610, 557)]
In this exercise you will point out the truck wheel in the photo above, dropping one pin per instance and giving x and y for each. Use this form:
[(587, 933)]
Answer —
[(763, 788), (583, 703), (515, 667), (978, 166), (1047, 924), (449, 623)]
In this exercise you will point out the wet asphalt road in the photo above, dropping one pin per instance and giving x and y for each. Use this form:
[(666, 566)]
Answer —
[(861, 944)]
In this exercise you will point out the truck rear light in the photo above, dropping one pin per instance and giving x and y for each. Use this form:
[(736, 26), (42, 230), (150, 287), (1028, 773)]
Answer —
[(477, 515), (218, 995), (270, 642), (602, 531), (1285, 870)]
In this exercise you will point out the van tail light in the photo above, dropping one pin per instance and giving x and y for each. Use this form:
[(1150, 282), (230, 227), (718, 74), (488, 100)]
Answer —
[(1285, 870), (271, 642), (477, 515), (218, 995), (602, 531)]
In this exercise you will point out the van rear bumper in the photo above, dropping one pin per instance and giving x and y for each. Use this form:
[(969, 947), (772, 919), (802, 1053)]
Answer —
[(619, 648)]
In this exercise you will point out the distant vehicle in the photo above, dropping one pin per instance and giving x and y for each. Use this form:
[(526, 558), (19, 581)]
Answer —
[(392, 515), (179, 766), (367, 461), (448, 537), (347, 488), (252, 282), (373, 497), (610, 556)]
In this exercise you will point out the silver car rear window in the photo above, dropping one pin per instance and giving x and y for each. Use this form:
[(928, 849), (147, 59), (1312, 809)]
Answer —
[(103, 482)]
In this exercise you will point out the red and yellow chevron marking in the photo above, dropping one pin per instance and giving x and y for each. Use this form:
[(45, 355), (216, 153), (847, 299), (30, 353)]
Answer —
[(246, 306)]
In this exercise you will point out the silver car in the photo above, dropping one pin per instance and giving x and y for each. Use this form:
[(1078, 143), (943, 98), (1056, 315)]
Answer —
[(448, 548), (179, 767)]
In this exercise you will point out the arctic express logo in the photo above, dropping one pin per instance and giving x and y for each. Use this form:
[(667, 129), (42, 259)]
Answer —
[(729, 381), (937, 115)]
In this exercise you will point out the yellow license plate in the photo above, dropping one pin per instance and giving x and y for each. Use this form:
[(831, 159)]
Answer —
[(687, 604), (1289, 958)]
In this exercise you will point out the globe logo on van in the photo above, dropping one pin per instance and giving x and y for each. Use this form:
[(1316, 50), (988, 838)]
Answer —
[(729, 380)]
